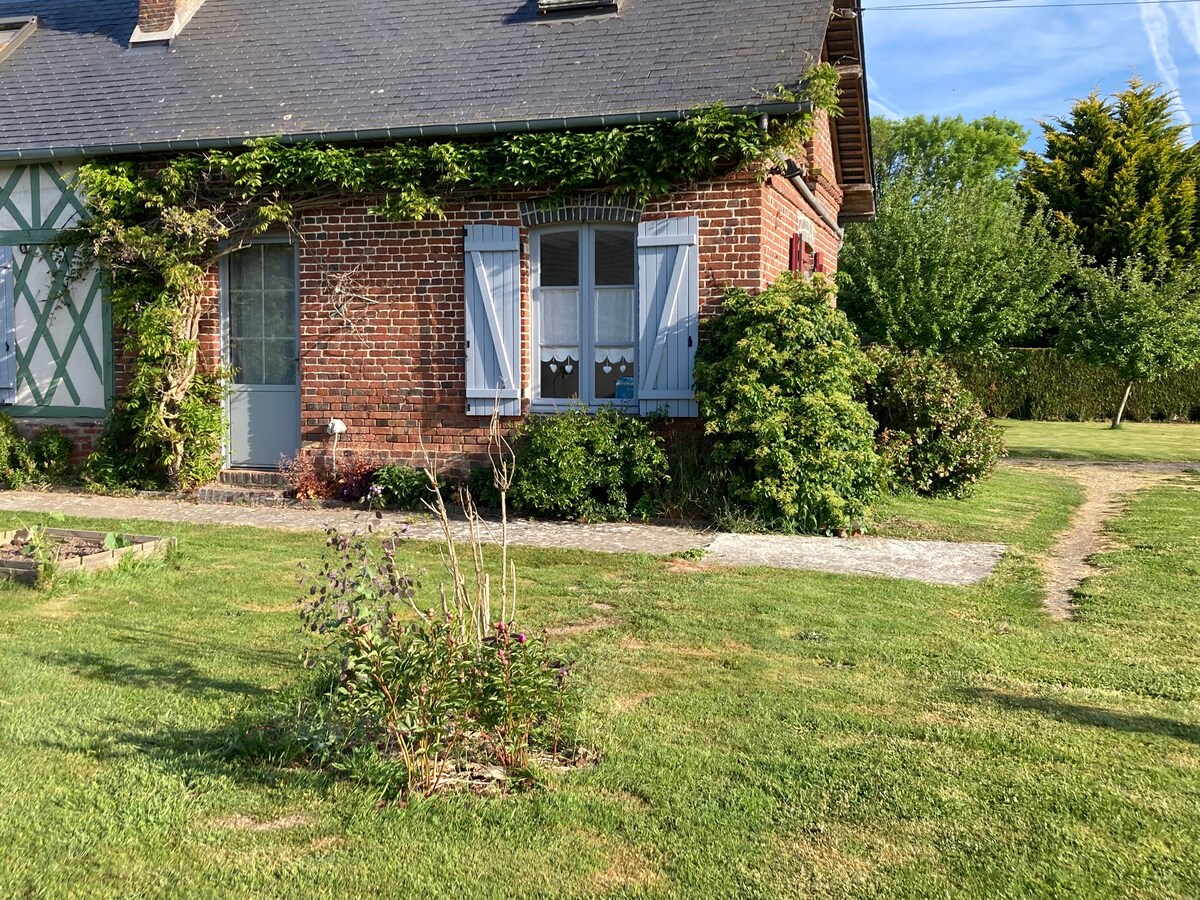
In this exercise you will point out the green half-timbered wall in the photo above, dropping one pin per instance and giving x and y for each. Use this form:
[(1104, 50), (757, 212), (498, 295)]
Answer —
[(62, 330)]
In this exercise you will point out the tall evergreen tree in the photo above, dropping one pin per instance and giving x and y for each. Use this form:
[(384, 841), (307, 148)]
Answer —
[(1120, 179)]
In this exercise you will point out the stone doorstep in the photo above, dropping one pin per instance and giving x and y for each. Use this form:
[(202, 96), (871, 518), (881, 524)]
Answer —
[(257, 478), (252, 496)]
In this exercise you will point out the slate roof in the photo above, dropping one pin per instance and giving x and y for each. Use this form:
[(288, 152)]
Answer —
[(247, 68)]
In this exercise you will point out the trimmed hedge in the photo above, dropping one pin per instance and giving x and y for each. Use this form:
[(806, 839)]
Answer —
[(1046, 385)]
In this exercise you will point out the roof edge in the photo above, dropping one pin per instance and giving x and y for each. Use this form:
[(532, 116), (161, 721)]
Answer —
[(471, 129)]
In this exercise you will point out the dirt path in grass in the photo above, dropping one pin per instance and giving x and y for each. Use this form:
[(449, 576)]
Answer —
[(1108, 487)]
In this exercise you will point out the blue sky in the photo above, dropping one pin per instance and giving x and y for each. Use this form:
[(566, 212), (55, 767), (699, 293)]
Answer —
[(1027, 64)]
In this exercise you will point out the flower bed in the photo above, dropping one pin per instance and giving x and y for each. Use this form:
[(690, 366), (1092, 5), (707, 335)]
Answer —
[(26, 554)]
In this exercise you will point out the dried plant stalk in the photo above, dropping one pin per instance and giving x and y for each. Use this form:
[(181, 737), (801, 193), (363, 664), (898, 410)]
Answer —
[(473, 609)]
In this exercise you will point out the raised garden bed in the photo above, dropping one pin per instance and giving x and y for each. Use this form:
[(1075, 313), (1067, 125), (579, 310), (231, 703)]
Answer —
[(68, 550)]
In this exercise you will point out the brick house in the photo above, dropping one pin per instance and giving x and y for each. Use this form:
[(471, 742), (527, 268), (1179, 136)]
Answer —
[(594, 301)]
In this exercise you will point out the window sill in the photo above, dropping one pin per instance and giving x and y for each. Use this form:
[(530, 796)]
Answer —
[(557, 406)]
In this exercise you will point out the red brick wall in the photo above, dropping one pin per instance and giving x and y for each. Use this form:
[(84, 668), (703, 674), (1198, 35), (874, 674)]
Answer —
[(783, 206), (83, 432), (155, 15), (731, 215), (396, 377)]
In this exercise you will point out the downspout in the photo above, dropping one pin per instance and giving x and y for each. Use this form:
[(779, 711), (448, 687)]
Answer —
[(791, 172)]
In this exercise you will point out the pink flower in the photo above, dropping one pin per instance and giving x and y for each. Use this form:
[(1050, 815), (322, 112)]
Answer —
[(521, 638)]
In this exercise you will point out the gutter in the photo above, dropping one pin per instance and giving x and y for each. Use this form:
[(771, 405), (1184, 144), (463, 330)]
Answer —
[(791, 172), (366, 135)]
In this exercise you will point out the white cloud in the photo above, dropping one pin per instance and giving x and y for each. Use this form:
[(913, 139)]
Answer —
[(879, 106), (1189, 23), (1026, 64), (1158, 33)]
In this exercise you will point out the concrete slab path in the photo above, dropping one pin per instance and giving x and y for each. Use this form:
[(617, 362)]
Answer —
[(935, 562)]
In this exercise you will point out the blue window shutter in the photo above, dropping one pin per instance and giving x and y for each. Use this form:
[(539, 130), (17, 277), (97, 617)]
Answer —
[(668, 300), (8, 323), (493, 319)]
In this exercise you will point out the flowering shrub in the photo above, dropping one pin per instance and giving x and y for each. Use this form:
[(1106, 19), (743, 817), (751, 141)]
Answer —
[(933, 436), (429, 696), (777, 375)]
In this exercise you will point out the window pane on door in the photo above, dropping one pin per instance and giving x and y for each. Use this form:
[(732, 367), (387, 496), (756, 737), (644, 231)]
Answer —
[(245, 314), (279, 268), (279, 361), (279, 314), (614, 257), (615, 346), (263, 315), (559, 350), (559, 259), (245, 270), (246, 357)]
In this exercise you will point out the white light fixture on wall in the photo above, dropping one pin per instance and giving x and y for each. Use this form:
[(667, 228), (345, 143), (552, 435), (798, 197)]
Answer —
[(336, 428)]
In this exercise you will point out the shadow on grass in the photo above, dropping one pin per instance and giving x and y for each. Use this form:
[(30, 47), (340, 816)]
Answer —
[(160, 640), (1095, 717), (170, 675)]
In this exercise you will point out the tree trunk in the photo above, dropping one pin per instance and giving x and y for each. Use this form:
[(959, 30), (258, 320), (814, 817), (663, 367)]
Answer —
[(1116, 422)]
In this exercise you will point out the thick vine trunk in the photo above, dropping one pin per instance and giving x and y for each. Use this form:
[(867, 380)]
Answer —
[(179, 383), (1116, 422)]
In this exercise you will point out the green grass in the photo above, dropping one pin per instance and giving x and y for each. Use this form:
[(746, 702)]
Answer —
[(1134, 441), (763, 734)]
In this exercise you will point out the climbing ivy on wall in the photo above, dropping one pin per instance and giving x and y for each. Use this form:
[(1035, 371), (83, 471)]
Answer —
[(158, 229)]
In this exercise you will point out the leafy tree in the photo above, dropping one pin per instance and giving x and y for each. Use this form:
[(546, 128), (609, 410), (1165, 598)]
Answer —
[(952, 269), (1120, 179), (947, 152), (1143, 323)]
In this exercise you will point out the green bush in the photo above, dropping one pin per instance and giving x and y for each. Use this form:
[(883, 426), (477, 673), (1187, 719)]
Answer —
[(17, 467), (396, 486), (776, 377), (587, 466), (481, 483), (933, 436), (1044, 384), (51, 451), (126, 458)]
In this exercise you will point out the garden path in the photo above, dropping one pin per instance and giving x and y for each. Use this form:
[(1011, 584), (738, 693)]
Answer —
[(1108, 488), (935, 562)]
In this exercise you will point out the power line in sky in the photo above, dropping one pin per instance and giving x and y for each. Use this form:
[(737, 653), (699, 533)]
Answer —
[(1006, 4)]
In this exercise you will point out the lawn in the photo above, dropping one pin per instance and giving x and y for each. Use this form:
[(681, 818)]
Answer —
[(763, 734), (1144, 441)]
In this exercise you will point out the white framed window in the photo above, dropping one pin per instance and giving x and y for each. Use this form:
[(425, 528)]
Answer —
[(585, 316)]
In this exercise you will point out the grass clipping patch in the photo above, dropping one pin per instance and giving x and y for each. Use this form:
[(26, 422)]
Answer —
[(418, 700)]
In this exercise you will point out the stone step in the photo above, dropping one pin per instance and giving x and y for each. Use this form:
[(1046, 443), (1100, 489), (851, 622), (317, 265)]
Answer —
[(257, 478), (250, 496)]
